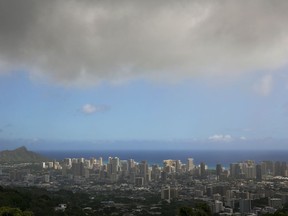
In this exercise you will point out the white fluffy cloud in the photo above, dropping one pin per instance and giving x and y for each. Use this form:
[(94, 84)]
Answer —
[(90, 109), (221, 138), (92, 41)]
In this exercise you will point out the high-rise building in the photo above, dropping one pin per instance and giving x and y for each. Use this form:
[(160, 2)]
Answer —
[(115, 165), (190, 164), (277, 168), (164, 176), (258, 172), (139, 181), (218, 170), (113, 168), (87, 164), (143, 167), (173, 192), (156, 172), (132, 177), (170, 165), (168, 169), (218, 206), (203, 170), (68, 162), (100, 161), (78, 169), (64, 170), (267, 168), (131, 164), (284, 169), (245, 206), (165, 193), (124, 167), (86, 173), (249, 169), (93, 161), (110, 160), (178, 166), (235, 170)]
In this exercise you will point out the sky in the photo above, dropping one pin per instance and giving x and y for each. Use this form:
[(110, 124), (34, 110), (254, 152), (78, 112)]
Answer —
[(181, 73)]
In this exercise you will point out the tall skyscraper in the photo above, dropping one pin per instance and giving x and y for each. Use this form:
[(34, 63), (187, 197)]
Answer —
[(143, 166), (100, 161), (284, 169), (115, 165), (78, 169), (131, 164), (202, 170), (249, 169), (258, 172), (218, 170), (68, 162), (113, 168), (277, 168), (267, 168), (124, 167), (190, 164), (156, 172), (178, 166), (235, 170)]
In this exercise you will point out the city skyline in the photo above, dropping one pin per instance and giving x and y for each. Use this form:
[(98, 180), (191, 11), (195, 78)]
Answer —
[(242, 187), (172, 74)]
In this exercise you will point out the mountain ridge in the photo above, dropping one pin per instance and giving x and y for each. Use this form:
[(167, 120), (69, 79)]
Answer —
[(20, 154)]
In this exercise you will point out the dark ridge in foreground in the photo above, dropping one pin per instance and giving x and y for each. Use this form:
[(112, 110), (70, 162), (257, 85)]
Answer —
[(20, 154)]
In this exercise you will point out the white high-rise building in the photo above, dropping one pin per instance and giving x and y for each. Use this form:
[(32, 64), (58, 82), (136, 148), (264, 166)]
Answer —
[(190, 164), (100, 161), (68, 162)]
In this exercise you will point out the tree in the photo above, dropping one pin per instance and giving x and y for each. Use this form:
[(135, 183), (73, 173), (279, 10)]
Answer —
[(8, 211), (186, 211), (204, 207), (201, 209)]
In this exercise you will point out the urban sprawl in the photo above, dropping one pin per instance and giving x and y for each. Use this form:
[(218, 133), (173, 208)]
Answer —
[(245, 188)]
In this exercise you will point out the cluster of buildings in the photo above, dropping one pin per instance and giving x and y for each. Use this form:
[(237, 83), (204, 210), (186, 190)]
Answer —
[(131, 171), (264, 170), (243, 188), (141, 173)]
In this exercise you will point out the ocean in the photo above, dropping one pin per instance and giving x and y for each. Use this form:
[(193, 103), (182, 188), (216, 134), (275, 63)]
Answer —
[(209, 157)]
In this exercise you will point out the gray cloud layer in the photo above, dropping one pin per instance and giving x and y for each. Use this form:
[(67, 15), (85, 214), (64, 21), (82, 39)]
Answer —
[(91, 41)]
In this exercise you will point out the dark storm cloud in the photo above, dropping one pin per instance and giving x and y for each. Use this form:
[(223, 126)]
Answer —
[(92, 41)]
